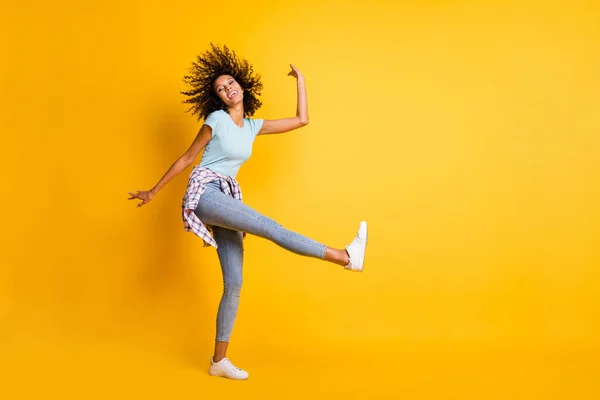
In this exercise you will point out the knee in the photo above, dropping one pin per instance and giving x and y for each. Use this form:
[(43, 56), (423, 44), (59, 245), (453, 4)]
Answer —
[(269, 226), (233, 287)]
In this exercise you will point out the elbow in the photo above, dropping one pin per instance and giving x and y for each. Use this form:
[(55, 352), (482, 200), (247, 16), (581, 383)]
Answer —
[(186, 160), (304, 121)]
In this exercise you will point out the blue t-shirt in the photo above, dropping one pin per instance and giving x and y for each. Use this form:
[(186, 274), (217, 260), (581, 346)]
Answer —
[(230, 145)]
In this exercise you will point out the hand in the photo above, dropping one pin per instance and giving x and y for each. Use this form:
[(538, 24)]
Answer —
[(295, 72), (143, 195)]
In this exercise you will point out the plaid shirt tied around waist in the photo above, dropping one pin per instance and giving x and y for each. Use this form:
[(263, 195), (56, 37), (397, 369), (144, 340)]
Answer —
[(199, 178)]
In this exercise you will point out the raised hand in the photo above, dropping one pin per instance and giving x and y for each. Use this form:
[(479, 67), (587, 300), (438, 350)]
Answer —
[(295, 72)]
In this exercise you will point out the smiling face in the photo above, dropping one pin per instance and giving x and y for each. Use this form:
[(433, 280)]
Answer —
[(228, 90)]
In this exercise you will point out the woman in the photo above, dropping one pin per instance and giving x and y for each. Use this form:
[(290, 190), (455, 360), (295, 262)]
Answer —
[(225, 92)]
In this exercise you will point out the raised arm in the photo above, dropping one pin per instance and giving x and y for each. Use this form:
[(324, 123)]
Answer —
[(186, 159), (301, 118)]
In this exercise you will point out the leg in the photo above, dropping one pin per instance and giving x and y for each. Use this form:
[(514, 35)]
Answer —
[(217, 209), (231, 253)]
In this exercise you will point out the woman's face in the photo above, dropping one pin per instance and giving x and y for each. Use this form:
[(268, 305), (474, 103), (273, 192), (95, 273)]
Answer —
[(228, 90)]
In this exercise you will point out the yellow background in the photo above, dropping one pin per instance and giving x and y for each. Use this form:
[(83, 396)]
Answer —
[(464, 132)]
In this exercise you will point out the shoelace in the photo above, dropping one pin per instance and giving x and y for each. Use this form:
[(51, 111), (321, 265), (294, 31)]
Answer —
[(231, 365)]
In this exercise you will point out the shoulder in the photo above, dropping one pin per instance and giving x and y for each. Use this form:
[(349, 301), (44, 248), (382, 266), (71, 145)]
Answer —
[(214, 119), (253, 119), (255, 124), (215, 115)]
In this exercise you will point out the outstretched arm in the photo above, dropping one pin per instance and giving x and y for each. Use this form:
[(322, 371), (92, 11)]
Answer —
[(201, 140), (301, 118)]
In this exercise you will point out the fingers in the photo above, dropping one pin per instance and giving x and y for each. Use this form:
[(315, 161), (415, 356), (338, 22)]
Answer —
[(136, 195), (295, 72)]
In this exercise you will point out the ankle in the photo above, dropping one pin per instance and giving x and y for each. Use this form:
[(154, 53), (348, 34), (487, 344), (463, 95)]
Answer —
[(343, 258), (216, 359), (337, 256)]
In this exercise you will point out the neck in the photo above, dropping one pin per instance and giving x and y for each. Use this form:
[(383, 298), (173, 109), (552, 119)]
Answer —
[(237, 114)]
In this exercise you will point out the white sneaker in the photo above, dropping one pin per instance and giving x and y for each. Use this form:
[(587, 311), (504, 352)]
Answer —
[(226, 369), (357, 249)]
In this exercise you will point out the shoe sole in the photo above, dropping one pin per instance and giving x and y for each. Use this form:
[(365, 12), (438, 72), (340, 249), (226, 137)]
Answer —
[(365, 247), (221, 375), (364, 250)]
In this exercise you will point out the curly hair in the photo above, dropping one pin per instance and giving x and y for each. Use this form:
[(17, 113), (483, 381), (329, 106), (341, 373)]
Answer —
[(208, 67)]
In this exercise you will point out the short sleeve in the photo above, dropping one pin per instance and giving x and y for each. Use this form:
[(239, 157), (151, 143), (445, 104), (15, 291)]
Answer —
[(256, 126), (213, 121)]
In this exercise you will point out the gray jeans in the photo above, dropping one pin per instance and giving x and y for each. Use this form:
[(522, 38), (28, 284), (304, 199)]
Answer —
[(229, 218)]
